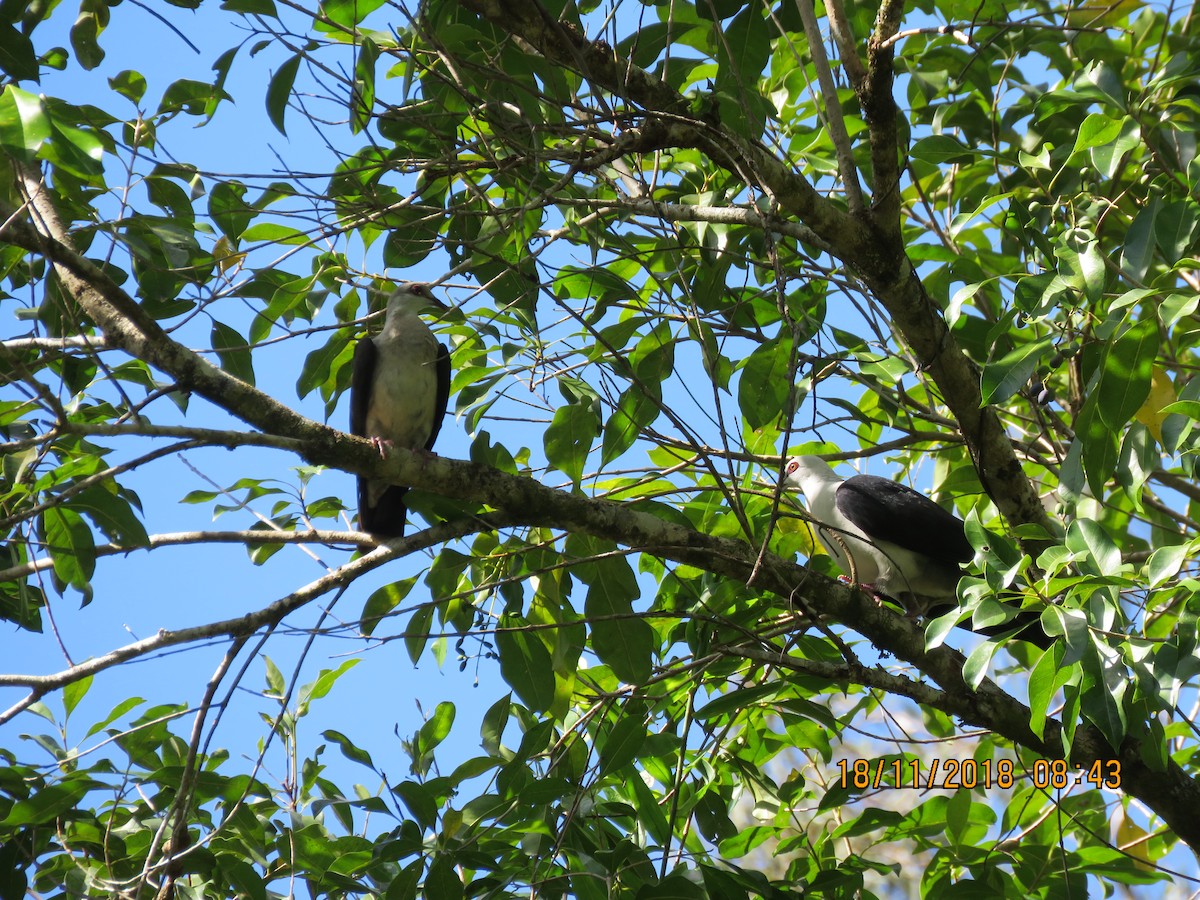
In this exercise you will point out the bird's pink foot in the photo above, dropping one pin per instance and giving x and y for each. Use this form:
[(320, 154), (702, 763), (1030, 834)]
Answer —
[(382, 445), (871, 589)]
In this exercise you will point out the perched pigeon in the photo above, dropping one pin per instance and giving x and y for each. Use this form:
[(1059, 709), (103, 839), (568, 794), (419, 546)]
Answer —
[(398, 394), (891, 539)]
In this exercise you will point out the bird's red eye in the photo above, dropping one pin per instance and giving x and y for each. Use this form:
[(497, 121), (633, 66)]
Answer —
[(418, 289), (792, 466)]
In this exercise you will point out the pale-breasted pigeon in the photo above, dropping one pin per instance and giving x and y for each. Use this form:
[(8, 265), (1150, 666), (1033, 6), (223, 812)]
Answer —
[(891, 539), (398, 395)]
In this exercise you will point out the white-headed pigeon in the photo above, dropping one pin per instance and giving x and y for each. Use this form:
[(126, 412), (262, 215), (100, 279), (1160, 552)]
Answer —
[(891, 539), (398, 395)]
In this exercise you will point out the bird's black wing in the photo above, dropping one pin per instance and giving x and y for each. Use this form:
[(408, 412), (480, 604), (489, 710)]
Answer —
[(886, 510), (387, 516), (443, 394), (361, 375), (889, 511)]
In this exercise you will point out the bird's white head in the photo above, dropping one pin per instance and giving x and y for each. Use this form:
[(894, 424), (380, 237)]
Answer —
[(412, 299), (804, 472)]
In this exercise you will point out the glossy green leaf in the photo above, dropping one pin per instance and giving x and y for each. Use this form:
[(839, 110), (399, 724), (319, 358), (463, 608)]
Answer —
[(1097, 130), (1138, 250), (85, 33), (419, 802), (24, 125), (621, 639), (1127, 369), (765, 383), (48, 804), (623, 742), (1094, 549), (279, 91), (348, 748), (1011, 372), (18, 59), (940, 149), (74, 692), (436, 728), (129, 84), (228, 208), (635, 410), (233, 351), (417, 635), (362, 98), (251, 7), (569, 437), (525, 662), (383, 601), (69, 543), (345, 14), (196, 98)]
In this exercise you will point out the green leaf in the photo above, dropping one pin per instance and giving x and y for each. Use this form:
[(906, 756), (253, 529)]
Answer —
[(321, 363), (1165, 562), (416, 635), (1096, 131), (568, 439), (1127, 370), (1099, 445), (279, 91), (251, 7), (228, 209), (1006, 376), (412, 235), (622, 641), (92, 19), (70, 545), (1138, 252), (525, 662), (940, 149), (18, 59), (324, 682), (765, 382), (345, 14), (1094, 549), (349, 749), (1043, 682), (129, 84), (976, 667), (115, 713), (442, 881), (24, 125), (622, 744), (276, 686), (74, 692), (1102, 704), (76, 150), (1175, 228), (419, 800), (383, 601), (362, 97), (233, 351), (436, 728), (635, 410), (48, 804), (245, 879), (1109, 158), (491, 731), (196, 98), (111, 509)]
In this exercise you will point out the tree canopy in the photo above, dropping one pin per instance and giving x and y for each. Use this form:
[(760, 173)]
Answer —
[(951, 243)]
